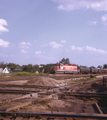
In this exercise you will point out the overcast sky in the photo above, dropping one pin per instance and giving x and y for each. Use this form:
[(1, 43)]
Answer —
[(45, 31)]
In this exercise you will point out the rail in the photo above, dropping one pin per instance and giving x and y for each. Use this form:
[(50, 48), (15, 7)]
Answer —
[(40, 115)]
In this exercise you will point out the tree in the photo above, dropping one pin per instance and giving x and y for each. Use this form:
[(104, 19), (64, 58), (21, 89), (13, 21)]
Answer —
[(99, 66), (29, 68), (12, 66), (2, 64), (65, 61), (36, 67), (25, 68), (105, 66), (47, 67)]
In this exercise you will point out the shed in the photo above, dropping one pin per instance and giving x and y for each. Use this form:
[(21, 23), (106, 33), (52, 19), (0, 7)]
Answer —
[(4, 70)]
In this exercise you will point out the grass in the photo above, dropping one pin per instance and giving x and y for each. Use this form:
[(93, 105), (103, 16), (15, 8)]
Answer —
[(29, 74), (87, 79), (20, 76)]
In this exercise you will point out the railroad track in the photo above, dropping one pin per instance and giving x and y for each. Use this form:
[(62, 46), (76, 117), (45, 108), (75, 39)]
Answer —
[(53, 93), (31, 98), (27, 86), (82, 95), (69, 76), (12, 91), (50, 116), (45, 87)]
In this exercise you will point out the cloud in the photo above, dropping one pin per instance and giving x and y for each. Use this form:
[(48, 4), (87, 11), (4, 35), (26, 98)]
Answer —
[(4, 43), (24, 51), (2, 24), (104, 19), (89, 48), (69, 5), (24, 45), (63, 41), (55, 45), (38, 52), (93, 22), (76, 48)]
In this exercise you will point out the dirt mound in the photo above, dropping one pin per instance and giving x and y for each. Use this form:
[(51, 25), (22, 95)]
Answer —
[(42, 81)]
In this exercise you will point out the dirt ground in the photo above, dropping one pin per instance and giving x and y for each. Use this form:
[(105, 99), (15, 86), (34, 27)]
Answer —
[(46, 81), (17, 82), (54, 106), (7, 95), (69, 105)]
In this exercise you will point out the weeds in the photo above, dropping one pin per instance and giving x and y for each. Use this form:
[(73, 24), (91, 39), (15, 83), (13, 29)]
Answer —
[(87, 79), (29, 74), (20, 75)]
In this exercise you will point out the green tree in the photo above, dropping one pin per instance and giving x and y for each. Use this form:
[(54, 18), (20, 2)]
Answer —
[(99, 66), (47, 67), (36, 68), (29, 68), (105, 66), (2, 64), (25, 68), (65, 61), (12, 66)]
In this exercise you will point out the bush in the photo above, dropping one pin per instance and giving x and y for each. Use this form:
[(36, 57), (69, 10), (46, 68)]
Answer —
[(22, 74), (29, 74)]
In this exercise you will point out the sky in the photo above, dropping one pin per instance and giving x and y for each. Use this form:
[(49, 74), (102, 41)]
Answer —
[(45, 31)]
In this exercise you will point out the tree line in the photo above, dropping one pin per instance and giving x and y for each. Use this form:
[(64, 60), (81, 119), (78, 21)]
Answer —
[(27, 68), (33, 68)]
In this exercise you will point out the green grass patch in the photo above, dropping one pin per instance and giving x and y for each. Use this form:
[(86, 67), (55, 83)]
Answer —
[(87, 79), (28, 74), (22, 74)]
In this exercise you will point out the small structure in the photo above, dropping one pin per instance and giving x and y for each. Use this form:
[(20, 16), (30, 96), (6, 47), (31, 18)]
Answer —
[(36, 72), (41, 69), (18, 69), (4, 70)]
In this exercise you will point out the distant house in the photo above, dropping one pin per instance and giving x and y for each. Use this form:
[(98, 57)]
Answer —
[(4, 70), (18, 69)]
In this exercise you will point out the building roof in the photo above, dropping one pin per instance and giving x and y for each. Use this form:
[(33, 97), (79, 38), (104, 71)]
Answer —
[(18, 69), (2, 69)]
